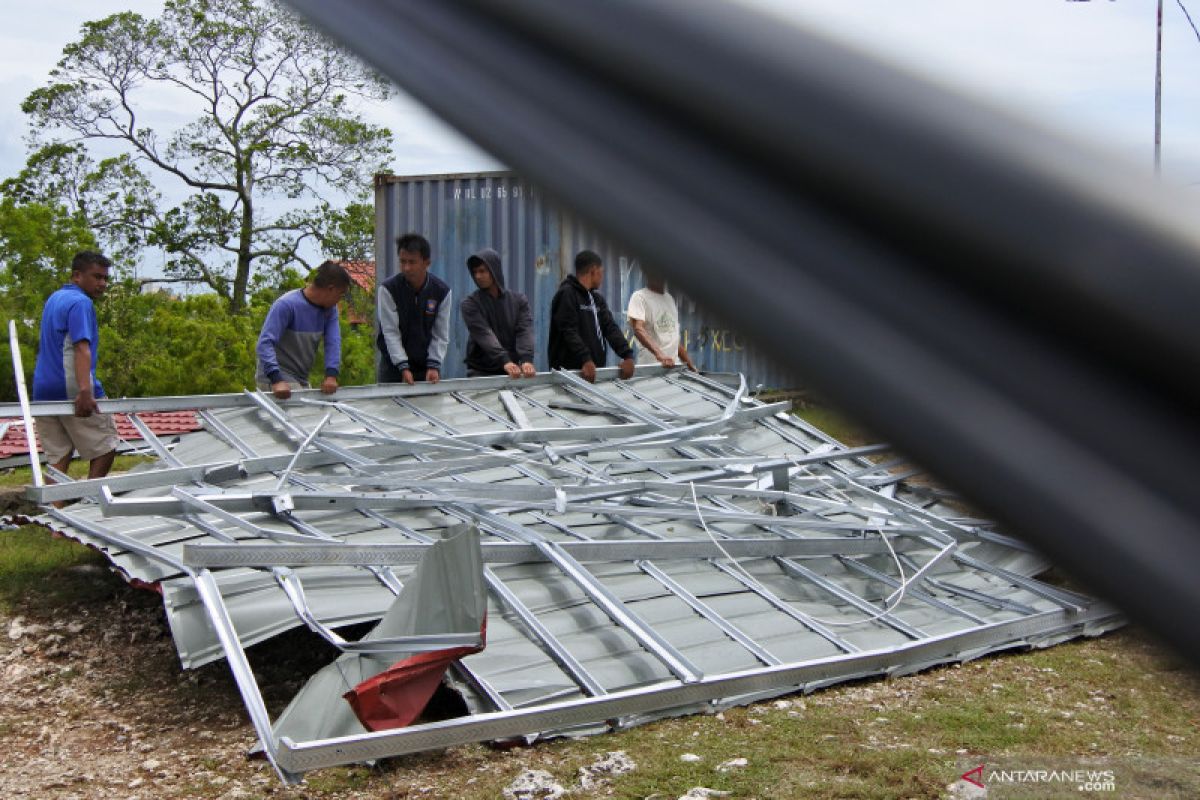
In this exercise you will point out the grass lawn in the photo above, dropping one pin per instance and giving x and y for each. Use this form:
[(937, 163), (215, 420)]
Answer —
[(23, 476)]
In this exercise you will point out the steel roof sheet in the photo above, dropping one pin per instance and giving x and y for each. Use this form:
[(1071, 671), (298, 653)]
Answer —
[(648, 548)]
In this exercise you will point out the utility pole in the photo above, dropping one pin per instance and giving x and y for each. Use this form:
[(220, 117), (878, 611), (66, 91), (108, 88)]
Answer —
[(1158, 94)]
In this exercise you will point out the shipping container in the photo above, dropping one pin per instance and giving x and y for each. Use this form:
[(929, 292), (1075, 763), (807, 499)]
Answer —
[(537, 241)]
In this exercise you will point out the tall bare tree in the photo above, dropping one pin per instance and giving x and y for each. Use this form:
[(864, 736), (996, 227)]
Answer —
[(268, 128)]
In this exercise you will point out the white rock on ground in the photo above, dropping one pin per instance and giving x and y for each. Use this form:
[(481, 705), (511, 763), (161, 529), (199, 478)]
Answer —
[(691, 757), (732, 764), (702, 793), (611, 764), (962, 790), (534, 784)]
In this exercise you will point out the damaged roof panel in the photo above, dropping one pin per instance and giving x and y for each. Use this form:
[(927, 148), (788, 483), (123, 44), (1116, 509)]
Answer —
[(646, 548)]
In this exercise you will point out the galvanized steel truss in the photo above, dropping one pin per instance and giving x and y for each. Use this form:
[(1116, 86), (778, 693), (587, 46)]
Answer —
[(650, 547)]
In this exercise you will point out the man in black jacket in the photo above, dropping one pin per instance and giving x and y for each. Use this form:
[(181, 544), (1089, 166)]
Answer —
[(499, 323), (581, 324)]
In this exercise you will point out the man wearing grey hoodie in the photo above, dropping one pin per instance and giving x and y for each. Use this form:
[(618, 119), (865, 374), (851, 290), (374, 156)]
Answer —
[(499, 323)]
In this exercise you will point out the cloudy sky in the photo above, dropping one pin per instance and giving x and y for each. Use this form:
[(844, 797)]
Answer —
[(1086, 68)]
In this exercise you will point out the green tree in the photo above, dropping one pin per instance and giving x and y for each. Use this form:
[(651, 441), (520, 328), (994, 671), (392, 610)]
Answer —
[(37, 243), (273, 126), (157, 344)]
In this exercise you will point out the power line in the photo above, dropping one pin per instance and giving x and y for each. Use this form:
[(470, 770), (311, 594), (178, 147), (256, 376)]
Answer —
[(1189, 19)]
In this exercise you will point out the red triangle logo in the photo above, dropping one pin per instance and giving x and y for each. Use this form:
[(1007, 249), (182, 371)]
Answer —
[(978, 776)]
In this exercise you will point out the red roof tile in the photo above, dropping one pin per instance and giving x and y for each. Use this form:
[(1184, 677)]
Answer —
[(362, 273), (162, 423)]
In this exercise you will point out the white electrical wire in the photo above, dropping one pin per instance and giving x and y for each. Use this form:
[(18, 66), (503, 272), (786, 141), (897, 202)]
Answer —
[(893, 600)]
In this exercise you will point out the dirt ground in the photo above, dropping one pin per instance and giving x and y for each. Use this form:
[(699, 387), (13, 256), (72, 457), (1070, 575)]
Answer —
[(94, 704), (89, 707)]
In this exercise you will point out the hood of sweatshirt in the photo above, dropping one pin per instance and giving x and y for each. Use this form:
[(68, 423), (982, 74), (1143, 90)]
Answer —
[(492, 259)]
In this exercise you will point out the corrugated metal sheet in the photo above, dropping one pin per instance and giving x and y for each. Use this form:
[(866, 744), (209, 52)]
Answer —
[(537, 241), (649, 547)]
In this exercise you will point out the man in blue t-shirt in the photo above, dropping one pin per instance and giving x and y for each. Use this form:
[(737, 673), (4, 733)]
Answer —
[(66, 370)]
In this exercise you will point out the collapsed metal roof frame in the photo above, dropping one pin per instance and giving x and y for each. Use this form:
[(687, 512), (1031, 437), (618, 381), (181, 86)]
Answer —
[(1013, 309), (769, 508)]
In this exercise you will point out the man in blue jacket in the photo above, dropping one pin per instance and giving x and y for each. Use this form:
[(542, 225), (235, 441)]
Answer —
[(413, 310), (294, 328), (581, 326), (68, 349), (499, 322)]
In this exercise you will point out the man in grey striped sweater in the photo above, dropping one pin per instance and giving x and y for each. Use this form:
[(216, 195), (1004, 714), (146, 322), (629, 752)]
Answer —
[(294, 328)]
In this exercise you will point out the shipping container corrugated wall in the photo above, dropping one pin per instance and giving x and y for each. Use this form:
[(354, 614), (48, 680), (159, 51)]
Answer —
[(537, 242)]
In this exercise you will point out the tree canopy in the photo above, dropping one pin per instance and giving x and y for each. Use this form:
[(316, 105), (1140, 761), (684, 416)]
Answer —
[(268, 129)]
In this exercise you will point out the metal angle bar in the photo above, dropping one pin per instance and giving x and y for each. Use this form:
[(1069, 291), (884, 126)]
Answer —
[(361, 555), (201, 505), (971, 594), (874, 614), (384, 439), (229, 502), (385, 575), (91, 487), (1068, 600), (294, 589), (126, 405), (287, 471), (759, 464), (123, 542), (777, 424), (586, 408), (779, 603), (891, 479), (207, 527), (555, 648), (363, 458), (909, 589), (380, 425), (25, 412), (225, 433), (55, 474), (304, 756), (598, 593), (578, 387), (511, 422), (421, 413), (707, 612), (156, 444), (239, 665), (294, 431), (660, 408)]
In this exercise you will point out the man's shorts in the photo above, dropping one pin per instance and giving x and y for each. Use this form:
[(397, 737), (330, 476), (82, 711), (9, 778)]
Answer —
[(92, 436)]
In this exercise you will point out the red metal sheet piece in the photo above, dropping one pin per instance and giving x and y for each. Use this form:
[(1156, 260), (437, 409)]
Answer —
[(396, 697)]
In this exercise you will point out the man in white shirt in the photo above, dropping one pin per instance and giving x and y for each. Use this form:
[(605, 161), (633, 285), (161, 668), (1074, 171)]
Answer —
[(655, 321)]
